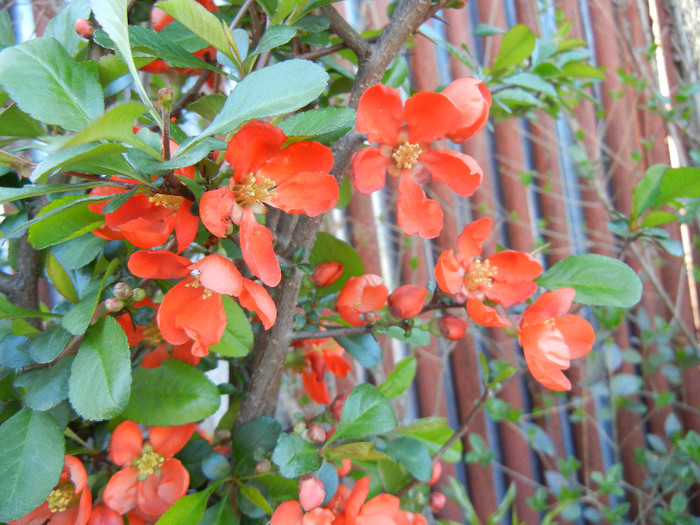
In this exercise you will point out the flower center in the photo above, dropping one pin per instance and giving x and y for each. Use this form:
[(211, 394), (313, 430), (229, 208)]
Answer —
[(251, 191), (62, 497), (172, 202), (148, 463), (152, 335), (480, 275), (406, 155), (206, 293)]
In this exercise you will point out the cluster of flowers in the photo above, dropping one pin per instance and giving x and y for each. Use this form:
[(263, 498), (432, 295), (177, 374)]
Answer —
[(147, 485)]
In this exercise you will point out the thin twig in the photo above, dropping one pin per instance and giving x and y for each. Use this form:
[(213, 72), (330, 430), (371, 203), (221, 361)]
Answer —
[(346, 33)]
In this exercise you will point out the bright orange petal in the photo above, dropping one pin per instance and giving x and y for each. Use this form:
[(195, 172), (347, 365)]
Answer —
[(578, 334), (215, 209), (369, 169), (203, 320), (406, 301), (306, 156), (459, 171), (484, 315), (175, 300), (159, 491), (258, 254), (219, 274), (309, 193), (470, 240), (447, 273), (430, 116), (255, 298), (415, 212), (356, 499), (126, 443), (252, 146), (169, 440), (121, 491), (158, 264), (287, 513), (548, 305), (380, 114), (316, 388), (473, 100)]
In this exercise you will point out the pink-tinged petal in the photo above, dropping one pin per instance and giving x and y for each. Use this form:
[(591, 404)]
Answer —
[(380, 114), (158, 264), (470, 240), (252, 146), (159, 491), (547, 373), (369, 168), (255, 298), (415, 212), (547, 343), (484, 315), (473, 100), (459, 171), (430, 116), (578, 334), (318, 516), (168, 441), (186, 226), (306, 156), (103, 515), (215, 209), (447, 272), (308, 193), (287, 513), (219, 274), (126, 443), (175, 300), (121, 491), (257, 250), (548, 305)]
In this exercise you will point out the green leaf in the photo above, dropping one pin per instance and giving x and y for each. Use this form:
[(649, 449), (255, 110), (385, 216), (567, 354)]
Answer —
[(256, 437), (46, 346), (417, 336), (412, 454), (60, 279), (328, 248), (71, 96), (364, 348), (487, 30), (457, 493), (646, 193), (46, 387), (80, 251), (517, 97), (625, 384), (532, 82), (31, 190), (399, 379), (201, 22), (117, 124), (433, 432), (17, 163), (253, 494), (361, 451), (597, 279), (295, 456), (181, 159), (112, 16), (275, 36), (325, 125), (365, 412), (657, 218), (31, 460), (65, 158), (188, 510), (7, 38), (579, 70), (220, 514), (208, 106), (679, 183), (175, 393), (516, 46), (63, 219), (62, 26), (100, 378), (16, 123), (274, 90), (10, 311)]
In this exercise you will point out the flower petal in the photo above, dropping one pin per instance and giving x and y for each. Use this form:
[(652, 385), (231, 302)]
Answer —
[(430, 116), (126, 443), (215, 209), (186, 226), (297, 158), (316, 388), (219, 274), (380, 114), (121, 491), (159, 491), (548, 305), (203, 320), (578, 334), (158, 264), (473, 100), (484, 315), (287, 513), (308, 193), (252, 146), (416, 213), (175, 300), (168, 441), (369, 169), (459, 171), (255, 298), (470, 240), (258, 254), (447, 272)]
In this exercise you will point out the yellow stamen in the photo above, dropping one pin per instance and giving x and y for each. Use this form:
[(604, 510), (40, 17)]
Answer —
[(62, 497), (480, 275), (252, 190), (406, 155), (169, 201), (206, 293), (152, 335), (148, 463)]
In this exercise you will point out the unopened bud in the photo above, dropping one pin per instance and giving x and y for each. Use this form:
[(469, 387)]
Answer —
[(263, 467), (84, 28), (371, 317), (437, 501), (165, 98), (326, 273), (452, 327), (311, 492), (138, 294), (113, 304), (406, 302), (299, 427), (316, 433), (437, 472), (122, 291)]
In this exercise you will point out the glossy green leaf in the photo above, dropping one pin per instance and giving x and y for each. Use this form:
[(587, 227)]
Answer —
[(361, 451), (328, 248), (220, 514), (433, 432), (516, 97), (645, 194), (399, 379), (62, 26), (66, 158), (253, 494), (31, 460), (678, 183), (10, 311), (416, 336), (32, 190), (16, 123), (60, 279), (175, 393), (79, 317), (365, 412), (532, 82), (7, 38), (188, 510), (17, 163), (274, 90), (100, 378), (208, 106), (71, 96), (80, 251), (579, 70), (597, 279), (413, 455), (46, 387), (62, 220), (46, 346), (325, 125), (295, 456), (364, 348), (516, 46), (275, 36), (253, 439)]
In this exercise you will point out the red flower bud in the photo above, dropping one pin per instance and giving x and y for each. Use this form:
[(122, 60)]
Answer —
[(437, 501), (84, 28), (406, 301), (311, 492), (316, 433), (326, 273), (452, 327), (263, 466), (437, 472)]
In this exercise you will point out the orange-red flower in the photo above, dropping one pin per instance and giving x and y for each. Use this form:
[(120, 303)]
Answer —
[(295, 179), (473, 99), (506, 278), (326, 273), (151, 480), (70, 501), (360, 297), (452, 327), (406, 301), (193, 308), (405, 135), (551, 338), (103, 515), (291, 513), (321, 355)]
